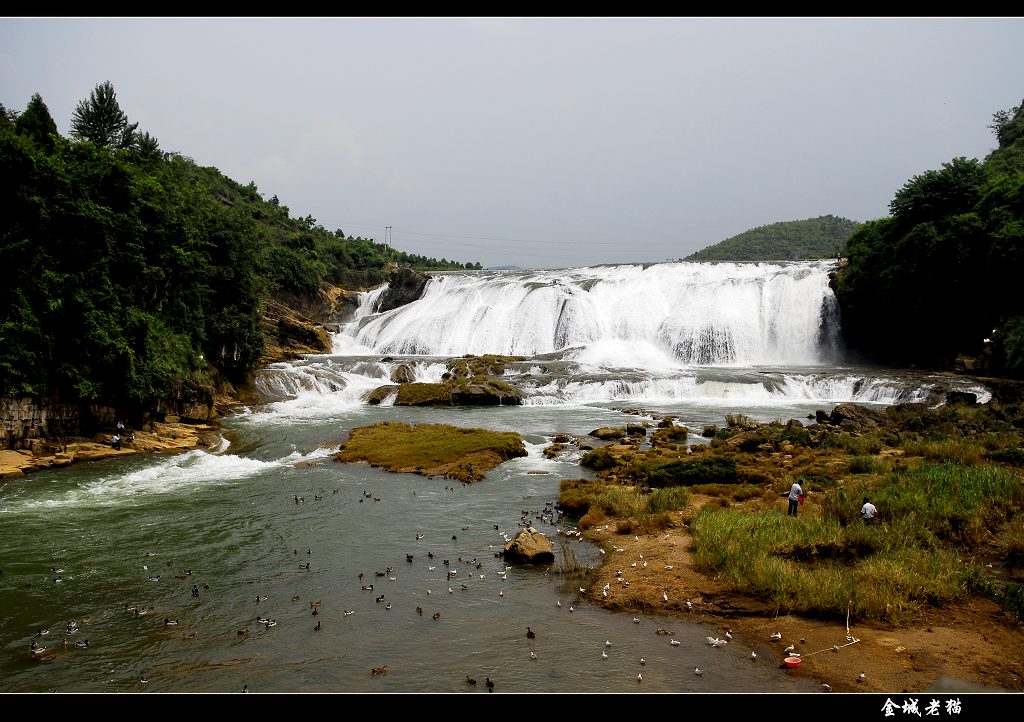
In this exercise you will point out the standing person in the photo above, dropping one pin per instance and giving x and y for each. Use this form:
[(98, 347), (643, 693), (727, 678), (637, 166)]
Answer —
[(868, 511), (796, 493), (116, 442)]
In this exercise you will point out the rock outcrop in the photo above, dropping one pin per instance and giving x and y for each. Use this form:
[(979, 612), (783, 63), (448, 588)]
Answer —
[(529, 546), (404, 286)]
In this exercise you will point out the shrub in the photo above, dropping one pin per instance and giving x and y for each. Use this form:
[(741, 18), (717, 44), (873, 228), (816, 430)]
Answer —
[(717, 469), (598, 460)]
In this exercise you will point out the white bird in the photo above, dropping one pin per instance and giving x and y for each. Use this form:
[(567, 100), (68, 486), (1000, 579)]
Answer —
[(604, 592), (835, 647), (602, 551), (776, 636), (643, 661), (533, 655), (430, 569), (753, 655), (604, 655), (558, 602), (349, 612), (698, 670), (639, 677), (582, 590), (675, 643), (728, 634), (826, 688), (689, 605), (666, 535), (450, 590), (789, 649), (636, 621), (608, 644), (501, 594), (668, 567), (570, 608), (860, 677), (664, 596), (607, 586)]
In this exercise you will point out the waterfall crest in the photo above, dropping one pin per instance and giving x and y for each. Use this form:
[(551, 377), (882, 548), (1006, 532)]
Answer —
[(669, 314)]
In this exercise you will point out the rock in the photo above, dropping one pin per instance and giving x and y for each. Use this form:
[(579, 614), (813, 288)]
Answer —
[(404, 286), (529, 546), (403, 374)]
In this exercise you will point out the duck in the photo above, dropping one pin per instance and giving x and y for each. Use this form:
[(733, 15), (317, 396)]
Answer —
[(352, 611), (533, 655), (318, 627), (826, 687), (82, 643), (470, 680), (698, 671), (379, 670), (604, 654), (776, 636), (490, 684), (674, 642), (530, 634), (437, 615), (753, 655), (636, 621), (643, 661), (168, 622), (271, 623), (639, 677)]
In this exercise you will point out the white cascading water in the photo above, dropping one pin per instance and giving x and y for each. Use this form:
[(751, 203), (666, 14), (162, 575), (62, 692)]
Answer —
[(668, 314), (715, 333)]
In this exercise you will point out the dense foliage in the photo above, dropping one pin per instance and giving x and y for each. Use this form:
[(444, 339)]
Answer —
[(132, 275), (811, 239), (936, 280)]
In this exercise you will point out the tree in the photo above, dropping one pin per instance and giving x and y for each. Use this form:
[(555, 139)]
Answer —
[(1003, 126), (7, 116), (99, 119), (146, 147), (37, 124)]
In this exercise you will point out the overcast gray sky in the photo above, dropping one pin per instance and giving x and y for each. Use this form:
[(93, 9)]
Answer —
[(543, 142)]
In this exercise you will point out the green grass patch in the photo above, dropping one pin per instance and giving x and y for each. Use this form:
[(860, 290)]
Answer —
[(440, 449)]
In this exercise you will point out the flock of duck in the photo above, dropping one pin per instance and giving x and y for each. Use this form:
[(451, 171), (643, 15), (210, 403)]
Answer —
[(460, 573)]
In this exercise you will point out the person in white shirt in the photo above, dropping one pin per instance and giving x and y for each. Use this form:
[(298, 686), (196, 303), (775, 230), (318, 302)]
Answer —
[(868, 511), (795, 492)]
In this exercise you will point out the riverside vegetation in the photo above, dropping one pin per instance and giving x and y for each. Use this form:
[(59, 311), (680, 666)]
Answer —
[(947, 480)]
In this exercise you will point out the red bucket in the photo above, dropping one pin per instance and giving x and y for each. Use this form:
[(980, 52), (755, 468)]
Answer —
[(792, 661)]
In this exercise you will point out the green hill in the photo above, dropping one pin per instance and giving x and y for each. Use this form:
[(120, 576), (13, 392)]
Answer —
[(821, 237)]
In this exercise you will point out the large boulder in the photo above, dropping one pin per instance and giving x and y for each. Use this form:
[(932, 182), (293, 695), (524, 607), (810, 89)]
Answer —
[(404, 286), (529, 546)]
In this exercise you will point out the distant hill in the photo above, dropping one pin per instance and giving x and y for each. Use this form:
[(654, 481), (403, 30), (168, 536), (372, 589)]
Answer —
[(814, 238)]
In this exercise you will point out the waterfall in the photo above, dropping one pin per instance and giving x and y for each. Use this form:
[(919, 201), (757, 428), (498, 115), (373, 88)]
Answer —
[(668, 314)]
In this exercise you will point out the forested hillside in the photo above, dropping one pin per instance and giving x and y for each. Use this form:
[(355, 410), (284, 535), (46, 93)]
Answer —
[(133, 275), (811, 239), (936, 283)]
